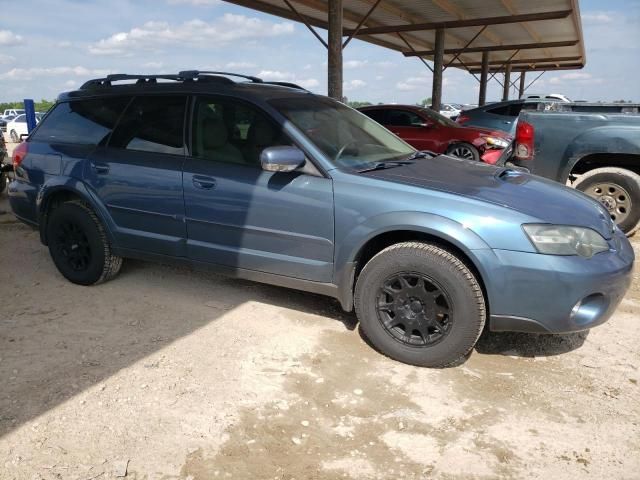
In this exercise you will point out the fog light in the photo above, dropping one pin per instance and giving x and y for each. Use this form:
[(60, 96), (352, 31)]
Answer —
[(589, 309)]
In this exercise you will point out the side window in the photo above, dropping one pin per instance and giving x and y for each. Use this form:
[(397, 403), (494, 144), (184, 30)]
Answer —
[(83, 122), (512, 110), (152, 124), (403, 118), (377, 115), (234, 132)]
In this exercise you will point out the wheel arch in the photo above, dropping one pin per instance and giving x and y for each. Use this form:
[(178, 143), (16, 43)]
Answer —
[(592, 161), (52, 195), (443, 232)]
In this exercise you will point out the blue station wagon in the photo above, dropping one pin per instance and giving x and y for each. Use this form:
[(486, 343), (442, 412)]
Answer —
[(272, 183)]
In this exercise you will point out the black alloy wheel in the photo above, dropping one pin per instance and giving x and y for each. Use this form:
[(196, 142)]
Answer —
[(414, 309)]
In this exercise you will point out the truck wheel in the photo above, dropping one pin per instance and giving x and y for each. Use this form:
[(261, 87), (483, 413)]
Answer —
[(79, 246), (419, 304), (618, 190), (463, 150)]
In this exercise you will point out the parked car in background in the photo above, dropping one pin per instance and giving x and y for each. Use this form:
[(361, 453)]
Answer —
[(425, 129), (558, 97), (501, 116), (278, 185), (14, 112), (5, 120), (597, 153), (4, 164), (17, 128), (450, 110)]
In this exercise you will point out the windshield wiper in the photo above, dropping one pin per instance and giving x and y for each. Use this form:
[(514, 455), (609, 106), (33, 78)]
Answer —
[(383, 165), (422, 154)]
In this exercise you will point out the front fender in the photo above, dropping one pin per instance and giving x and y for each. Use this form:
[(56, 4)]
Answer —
[(70, 185), (445, 229)]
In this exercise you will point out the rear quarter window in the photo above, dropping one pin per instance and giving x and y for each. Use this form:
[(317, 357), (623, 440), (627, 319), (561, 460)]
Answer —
[(81, 122)]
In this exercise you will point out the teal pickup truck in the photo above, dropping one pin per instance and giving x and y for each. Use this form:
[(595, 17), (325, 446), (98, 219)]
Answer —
[(593, 151)]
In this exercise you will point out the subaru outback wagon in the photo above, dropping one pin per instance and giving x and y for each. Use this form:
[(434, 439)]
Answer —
[(275, 184)]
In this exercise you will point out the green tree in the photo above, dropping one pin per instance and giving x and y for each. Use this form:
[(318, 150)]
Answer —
[(426, 102), (357, 104)]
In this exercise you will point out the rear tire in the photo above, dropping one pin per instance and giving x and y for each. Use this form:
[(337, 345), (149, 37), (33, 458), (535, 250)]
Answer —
[(79, 245), (419, 304), (463, 150), (618, 190)]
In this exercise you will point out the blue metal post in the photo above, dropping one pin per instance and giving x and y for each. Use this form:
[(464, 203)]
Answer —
[(30, 112)]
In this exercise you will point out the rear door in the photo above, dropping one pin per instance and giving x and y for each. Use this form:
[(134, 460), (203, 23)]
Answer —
[(243, 217), (138, 175)]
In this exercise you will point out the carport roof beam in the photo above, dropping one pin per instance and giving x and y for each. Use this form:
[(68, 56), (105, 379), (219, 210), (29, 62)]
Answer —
[(472, 22)]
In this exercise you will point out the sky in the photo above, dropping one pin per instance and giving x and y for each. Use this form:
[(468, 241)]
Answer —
[(47, 47)]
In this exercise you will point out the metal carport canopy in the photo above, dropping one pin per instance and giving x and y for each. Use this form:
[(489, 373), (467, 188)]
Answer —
[(479, 36)]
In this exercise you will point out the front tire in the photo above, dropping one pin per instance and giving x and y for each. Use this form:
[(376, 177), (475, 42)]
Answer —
[(618, 190), (79, 245), (464, 150), (420, 304)]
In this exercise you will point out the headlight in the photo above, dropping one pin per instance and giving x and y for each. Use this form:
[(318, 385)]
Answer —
[(565, 240), (496, 142)]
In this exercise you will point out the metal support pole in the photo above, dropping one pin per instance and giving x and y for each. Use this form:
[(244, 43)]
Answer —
[(507, 82), (334, 67), (438, 60), (521, 89), (482, 97)]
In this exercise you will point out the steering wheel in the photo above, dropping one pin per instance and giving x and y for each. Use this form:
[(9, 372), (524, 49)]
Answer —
[(343, 148)]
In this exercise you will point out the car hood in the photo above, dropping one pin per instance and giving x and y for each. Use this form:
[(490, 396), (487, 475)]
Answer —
[(539, 198)]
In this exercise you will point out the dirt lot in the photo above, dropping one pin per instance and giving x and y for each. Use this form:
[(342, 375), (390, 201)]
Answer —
[(166, 373)]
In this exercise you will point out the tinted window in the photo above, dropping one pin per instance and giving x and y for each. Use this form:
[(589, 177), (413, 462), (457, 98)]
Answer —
[(85, 122), (377, 115), (152, 124), (20, 119), (512, 110), (234, 132), (403, 118)]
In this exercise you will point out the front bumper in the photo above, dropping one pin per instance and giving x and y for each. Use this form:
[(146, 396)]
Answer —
[(531, 292)]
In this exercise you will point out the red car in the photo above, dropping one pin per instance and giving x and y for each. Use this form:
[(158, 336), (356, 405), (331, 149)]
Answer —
[(425, 129)]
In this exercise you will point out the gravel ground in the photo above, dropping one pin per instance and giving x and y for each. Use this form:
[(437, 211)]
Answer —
[(167, 373)]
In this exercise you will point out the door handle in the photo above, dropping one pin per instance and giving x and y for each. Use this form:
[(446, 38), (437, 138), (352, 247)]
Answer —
[(100, 168), (205, 183)]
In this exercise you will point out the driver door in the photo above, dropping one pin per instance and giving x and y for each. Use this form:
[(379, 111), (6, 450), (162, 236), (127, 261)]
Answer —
[(240, 216)]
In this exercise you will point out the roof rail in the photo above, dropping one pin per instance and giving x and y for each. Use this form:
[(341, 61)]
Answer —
[(106, 81), (185, 75), (287, 84), (191, 74)]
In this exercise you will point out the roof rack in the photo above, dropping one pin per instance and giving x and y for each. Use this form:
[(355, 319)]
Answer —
[(185, 75), (286, 84), (192, 74), (106, 81)]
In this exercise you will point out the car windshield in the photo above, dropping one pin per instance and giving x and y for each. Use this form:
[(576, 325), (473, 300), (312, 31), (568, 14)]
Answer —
[(347, 137), (438, 118)]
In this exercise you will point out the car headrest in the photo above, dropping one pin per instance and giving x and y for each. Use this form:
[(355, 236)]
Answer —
[(214, 133), (261, 132)]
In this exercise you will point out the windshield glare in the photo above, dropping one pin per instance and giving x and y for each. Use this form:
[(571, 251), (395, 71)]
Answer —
[(347, 137)]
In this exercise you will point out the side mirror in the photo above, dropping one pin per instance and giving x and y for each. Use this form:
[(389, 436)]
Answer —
[(281, 159)]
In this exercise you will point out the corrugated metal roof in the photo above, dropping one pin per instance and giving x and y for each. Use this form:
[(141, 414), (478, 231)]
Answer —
[(501, 39)]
